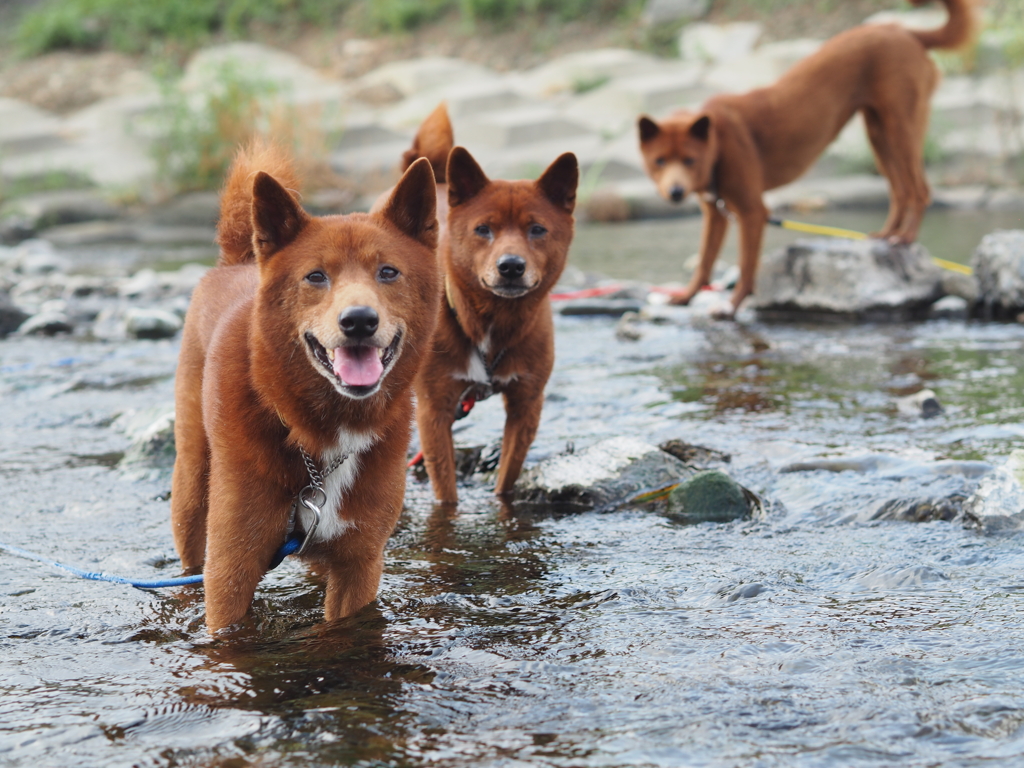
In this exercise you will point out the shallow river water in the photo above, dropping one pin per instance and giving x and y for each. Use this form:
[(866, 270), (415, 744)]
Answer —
[(816, 636)]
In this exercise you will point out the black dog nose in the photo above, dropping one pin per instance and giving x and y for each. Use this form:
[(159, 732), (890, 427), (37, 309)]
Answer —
[(359, 322), (676, 193), (511, 266)]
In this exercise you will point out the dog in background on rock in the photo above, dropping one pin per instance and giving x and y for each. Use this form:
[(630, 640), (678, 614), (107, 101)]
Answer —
[(502, 249), (294, 385), (738, 146)]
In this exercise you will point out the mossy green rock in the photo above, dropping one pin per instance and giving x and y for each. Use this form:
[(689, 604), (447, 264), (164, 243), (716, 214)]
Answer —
[(708, 497)]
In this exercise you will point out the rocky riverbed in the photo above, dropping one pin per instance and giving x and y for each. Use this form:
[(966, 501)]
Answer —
[(858, 604), (874, 570)]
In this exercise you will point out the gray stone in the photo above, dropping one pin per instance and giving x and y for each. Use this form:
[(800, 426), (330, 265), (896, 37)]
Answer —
[(153, 445), (576, 71), (609, 306), (11, 315), (50, 209), (46, 324), (958, 285), (413, 76), (667, 11), (91, 233), (34, 258), (920, 405), (24, 128), (608, 472), (949, 308), (628, 327), (694, 455), (921, 510), (998, 263), (710, 496), (713, 43), (998, 502), (193, 209), (847, 280), (148, 323), (514, 128)]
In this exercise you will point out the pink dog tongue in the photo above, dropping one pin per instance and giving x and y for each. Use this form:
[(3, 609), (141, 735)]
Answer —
[(357, 366)]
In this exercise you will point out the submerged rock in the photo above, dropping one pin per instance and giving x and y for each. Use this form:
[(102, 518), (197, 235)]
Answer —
[(694, 455), (11, 315), (708, 497), (153, 446), (921, 510), (924, 404), (607, 472), (46, 324), (998, 263), (998, 502), (151, 323), (836, 280)]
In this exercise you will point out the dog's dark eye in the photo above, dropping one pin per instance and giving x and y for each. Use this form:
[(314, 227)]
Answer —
[(688, 161), (316, 278), (483, 230), (387, 274), (537, 231), (659, 161)]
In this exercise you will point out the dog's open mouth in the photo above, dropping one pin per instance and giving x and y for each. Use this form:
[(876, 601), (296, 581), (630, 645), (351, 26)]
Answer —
[(358, 368)]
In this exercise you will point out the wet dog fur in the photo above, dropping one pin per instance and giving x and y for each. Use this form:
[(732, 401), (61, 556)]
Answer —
[(738, 146), (307, 335)]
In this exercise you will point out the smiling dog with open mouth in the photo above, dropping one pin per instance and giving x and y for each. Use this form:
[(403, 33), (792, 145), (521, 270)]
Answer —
[(294, 385)]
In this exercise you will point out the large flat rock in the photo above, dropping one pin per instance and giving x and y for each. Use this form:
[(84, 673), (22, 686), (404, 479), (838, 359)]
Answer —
[(832, 279), (607, 472), (998, 264)]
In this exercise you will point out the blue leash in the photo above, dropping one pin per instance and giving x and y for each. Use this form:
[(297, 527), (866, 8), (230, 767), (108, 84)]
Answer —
[(290, 546)]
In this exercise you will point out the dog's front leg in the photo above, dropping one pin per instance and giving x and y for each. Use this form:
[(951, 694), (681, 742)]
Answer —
[(352, 581), (247, 524), (434, 420), (523, 405), (752, 220), (713, 228)]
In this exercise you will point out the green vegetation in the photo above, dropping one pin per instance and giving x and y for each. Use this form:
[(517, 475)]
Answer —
[(137, 27), (45, 182), (200, 131), (133, 27)]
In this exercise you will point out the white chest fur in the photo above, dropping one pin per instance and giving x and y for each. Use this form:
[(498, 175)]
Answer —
[(332, 518), (475, 370)]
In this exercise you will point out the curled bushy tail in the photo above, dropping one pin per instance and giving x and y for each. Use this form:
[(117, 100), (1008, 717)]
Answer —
[(959, 29), (234, 229), (434, 140)]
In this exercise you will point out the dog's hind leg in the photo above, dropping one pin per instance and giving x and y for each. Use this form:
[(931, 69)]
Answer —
[(900, 130), (883, 159), (189, 484)]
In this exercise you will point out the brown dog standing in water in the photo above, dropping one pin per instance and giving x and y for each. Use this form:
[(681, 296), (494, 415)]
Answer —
[(739, 146), (503, 249), (295, 378)]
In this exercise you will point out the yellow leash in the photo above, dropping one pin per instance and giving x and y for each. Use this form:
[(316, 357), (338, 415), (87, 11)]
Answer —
[(817, 229)]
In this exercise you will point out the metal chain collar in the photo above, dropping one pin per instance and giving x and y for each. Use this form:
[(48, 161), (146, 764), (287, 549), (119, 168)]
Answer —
[(313, 497)]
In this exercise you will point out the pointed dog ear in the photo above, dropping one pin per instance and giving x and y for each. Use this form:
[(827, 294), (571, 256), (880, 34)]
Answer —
[(648, 128), (277, 218), (701, 128), (466, 179), (412, 206), (559, 181)]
